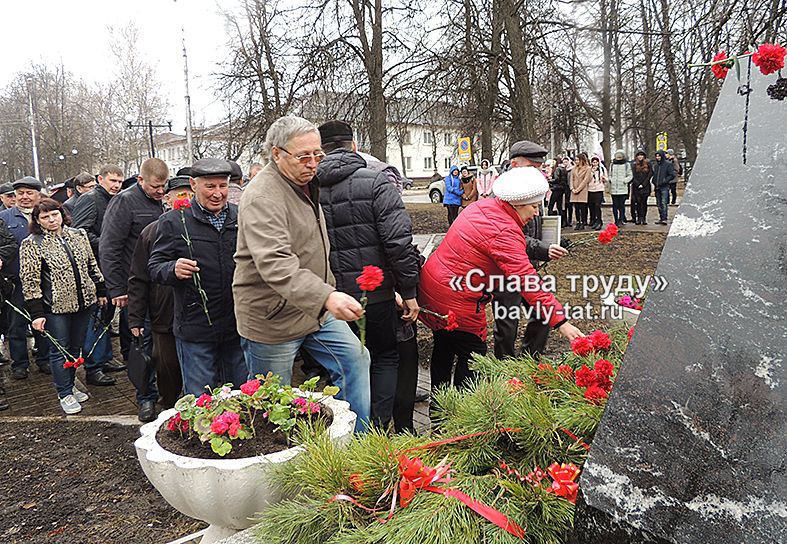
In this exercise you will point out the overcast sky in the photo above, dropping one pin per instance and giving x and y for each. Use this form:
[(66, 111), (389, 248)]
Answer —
[(75, 32)]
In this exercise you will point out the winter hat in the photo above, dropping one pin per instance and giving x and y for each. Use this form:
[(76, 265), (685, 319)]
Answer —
[(641, 152), (335, 131), (519, 186)]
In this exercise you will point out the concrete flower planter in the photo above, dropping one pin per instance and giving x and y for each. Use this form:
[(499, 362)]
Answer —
[(225, 493), (617, 314)]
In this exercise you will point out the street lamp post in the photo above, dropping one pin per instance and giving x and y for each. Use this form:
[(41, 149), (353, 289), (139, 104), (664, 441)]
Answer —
[(150, 126)]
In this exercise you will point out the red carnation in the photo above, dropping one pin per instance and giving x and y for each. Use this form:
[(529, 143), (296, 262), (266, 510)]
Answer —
[(565, 371), (604, 367), (595, 394), (613, 228), (769, 58), (600, 340), (370, 279), (605, 237), (630, 333), (585, 377), (181, 203), (582, 346), (451, 322), (720, 70)]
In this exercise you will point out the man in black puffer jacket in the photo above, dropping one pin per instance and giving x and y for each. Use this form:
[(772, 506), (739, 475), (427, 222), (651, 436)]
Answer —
[(368, 225)]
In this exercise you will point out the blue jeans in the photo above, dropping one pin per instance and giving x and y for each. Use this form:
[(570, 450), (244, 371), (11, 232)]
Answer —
[(100, 337), (619, 208), (69, 331), (662, 201), (210, 363), (336, 348)]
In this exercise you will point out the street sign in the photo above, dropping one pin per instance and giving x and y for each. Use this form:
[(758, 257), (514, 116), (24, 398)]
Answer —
[(465, 153), (661, 141)]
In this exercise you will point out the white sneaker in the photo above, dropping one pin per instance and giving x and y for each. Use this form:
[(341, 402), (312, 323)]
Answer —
[(70, 405), (81, 396)]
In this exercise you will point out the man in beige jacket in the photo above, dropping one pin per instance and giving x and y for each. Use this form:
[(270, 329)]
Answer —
[(284, 291)]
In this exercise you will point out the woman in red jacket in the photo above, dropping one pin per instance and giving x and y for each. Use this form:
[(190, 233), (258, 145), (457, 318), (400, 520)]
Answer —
[(486, 240)]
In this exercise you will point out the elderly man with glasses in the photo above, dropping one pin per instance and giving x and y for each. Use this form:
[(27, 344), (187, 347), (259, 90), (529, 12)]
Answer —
[(285, 294)]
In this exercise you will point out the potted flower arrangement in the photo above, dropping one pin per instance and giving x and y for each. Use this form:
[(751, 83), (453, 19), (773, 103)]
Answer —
[(624, 308), (210, 457)]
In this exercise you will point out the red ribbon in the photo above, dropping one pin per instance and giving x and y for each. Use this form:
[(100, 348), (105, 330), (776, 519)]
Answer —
[(575, 437)]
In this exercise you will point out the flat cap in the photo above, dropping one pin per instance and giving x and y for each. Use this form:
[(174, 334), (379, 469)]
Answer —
[(528, 150), (177, 182), (237, 173), (69, 183), (204, 168), (6, 188), (185, 171), (335, 131), (29, 182)]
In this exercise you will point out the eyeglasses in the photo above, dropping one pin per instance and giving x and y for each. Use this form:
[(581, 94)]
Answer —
[(306, 158)]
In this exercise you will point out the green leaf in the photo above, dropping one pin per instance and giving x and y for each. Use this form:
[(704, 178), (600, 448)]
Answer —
[(201, 424), (185, 402), (330, 391), (220, 446), (310, 385)]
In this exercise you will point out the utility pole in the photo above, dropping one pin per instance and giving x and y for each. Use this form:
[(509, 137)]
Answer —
[(29, 80), (189, 140)]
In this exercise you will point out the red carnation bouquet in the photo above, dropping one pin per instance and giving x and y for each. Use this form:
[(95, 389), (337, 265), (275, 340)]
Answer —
[(769, 58), (604, 237), (370, 279)]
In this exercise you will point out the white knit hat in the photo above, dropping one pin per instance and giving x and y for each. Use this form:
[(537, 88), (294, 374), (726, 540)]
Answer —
[(521, 185)]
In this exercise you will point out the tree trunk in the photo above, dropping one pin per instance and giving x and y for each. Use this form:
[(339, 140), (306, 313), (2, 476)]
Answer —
[(521, 93)]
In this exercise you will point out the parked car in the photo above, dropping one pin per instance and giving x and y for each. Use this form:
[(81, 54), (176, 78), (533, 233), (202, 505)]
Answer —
[(437, 187), (407, 183)]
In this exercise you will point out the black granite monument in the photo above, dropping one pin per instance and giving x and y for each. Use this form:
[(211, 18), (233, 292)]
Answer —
[(692, 447)]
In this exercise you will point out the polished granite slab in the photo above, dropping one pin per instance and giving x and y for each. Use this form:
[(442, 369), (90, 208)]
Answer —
[(692, 447)]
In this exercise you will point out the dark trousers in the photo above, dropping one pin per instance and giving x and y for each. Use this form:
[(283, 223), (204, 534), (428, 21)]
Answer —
[(146, 345), (556, 200), (165, 360), (69, 330), (619, 208), (406, 383), (581, 209), (125, 333), (453, 213), (17, 335), (673, 189), (381, 320), (594, 205), (568, 207), (450, 346), (662, 201), (534, 340), (98, 340), (641, 205)]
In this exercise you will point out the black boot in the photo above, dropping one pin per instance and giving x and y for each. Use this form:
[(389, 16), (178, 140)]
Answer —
[(97, 377)]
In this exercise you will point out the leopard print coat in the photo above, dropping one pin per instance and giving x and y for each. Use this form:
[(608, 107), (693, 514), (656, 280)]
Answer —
[(59, 273)]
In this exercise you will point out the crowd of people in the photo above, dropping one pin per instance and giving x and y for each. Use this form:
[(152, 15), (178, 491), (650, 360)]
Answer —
[(214, 292), (577, 187)]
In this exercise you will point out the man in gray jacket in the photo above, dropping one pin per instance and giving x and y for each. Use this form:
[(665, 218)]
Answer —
[(284, 291)]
